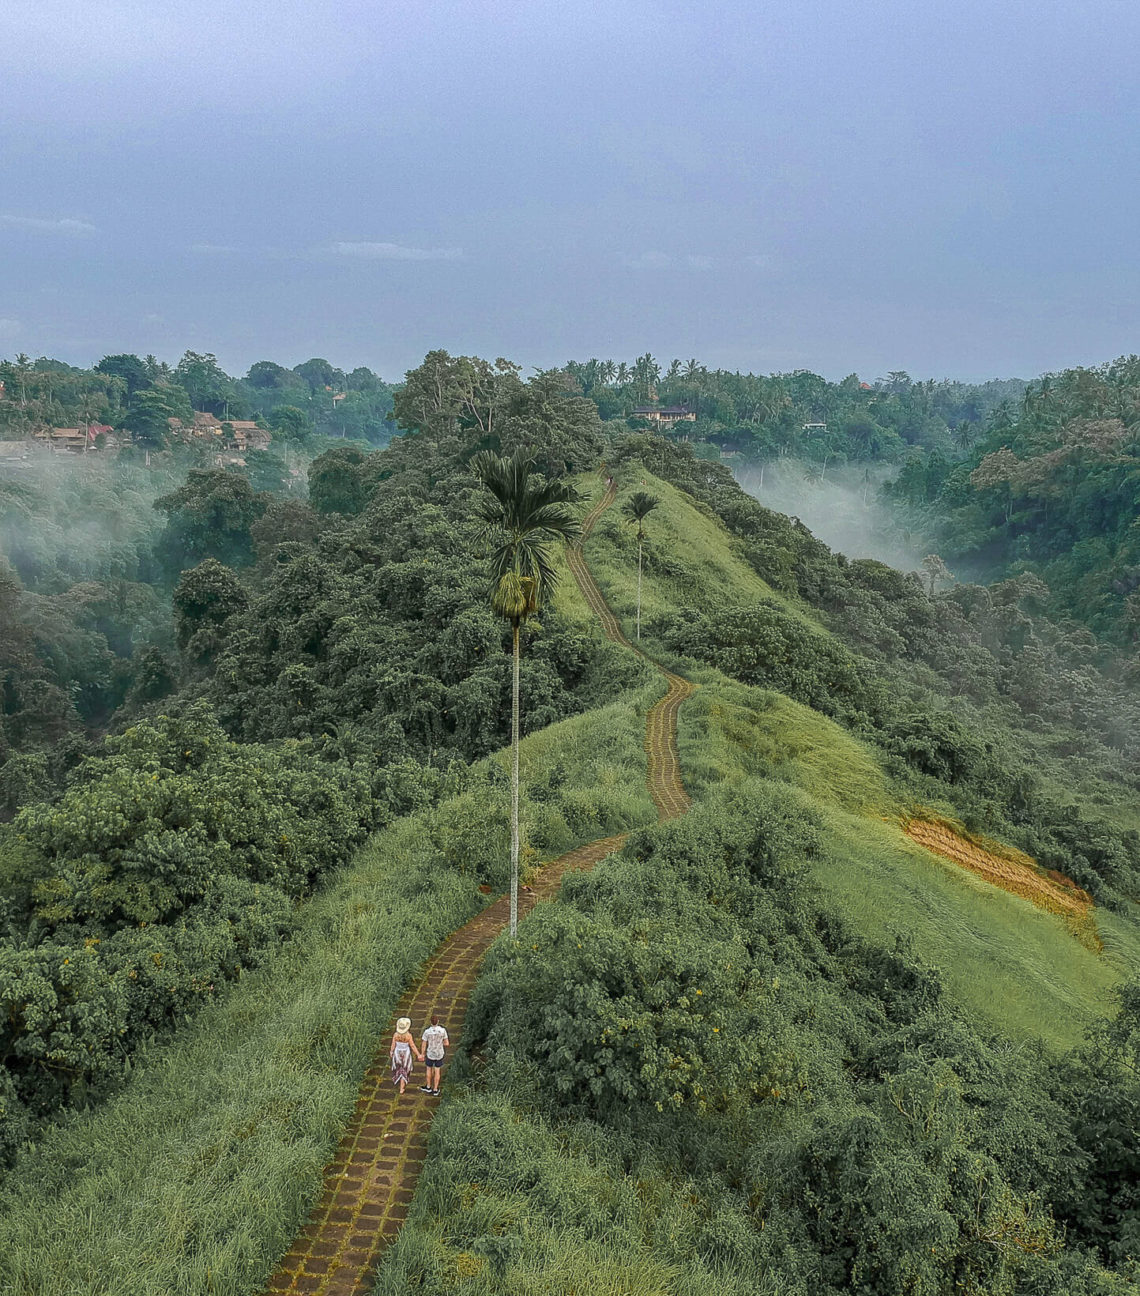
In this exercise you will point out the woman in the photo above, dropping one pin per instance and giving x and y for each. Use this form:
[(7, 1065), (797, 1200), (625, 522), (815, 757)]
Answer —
[(403, 1046)]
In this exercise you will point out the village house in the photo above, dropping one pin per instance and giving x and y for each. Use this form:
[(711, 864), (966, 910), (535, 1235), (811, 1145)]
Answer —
[(92, 436), (242, 434), (665, 413)]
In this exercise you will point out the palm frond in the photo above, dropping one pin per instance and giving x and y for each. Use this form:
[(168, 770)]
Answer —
[(639, 506), (523, 520)]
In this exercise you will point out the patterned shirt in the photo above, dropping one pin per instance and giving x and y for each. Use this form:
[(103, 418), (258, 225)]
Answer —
[(435, 1041)]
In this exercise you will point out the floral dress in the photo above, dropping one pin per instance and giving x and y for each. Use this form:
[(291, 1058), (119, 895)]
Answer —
[(401, 1062)]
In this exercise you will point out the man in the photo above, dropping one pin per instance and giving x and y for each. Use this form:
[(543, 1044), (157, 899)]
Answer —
[(435, 1041)]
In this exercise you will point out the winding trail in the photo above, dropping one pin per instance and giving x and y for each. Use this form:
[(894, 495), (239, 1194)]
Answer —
[(372, 1179)]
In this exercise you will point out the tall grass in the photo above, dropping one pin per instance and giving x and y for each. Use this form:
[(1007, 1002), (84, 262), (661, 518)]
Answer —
[(196, 1176), (690, 558), (1017, 968), (511, 1205)]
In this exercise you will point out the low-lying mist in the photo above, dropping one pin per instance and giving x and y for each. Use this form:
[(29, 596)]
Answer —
[(71, 518), (841, 507)]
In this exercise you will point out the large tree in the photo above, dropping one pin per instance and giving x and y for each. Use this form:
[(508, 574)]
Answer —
[(523, 519), (457, 395), (209, 517)]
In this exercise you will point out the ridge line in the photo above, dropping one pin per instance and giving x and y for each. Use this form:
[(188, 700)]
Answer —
[(371, 1181)]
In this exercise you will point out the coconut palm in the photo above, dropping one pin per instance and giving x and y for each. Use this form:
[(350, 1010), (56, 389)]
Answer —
[(523, 521), (964, 435), (636, 509)]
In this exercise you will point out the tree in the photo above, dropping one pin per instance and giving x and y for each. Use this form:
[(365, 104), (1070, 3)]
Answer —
[(129, 368), (337, 483), (209, 517), (290, 426), (456, 395), (560, 429), (523, 520), (148, 419), (316, 372), (268, 376), (964, 435), (636, 509), (208, 386), (205, 598), (936, 572)]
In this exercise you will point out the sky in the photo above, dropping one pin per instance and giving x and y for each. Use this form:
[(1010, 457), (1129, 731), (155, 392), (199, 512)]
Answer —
[(945, 188)]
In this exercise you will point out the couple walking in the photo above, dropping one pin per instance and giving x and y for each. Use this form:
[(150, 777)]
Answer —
[(434, 1040)]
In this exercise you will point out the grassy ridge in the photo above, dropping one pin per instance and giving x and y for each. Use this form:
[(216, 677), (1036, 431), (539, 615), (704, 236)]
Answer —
[(1017, 968), (874, 1142), (195, 1178)]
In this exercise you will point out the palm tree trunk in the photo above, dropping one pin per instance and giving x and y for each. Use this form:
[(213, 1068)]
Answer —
[(515, 784), (639, 590)]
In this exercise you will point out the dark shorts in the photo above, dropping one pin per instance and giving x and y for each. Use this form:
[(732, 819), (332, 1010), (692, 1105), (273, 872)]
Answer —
[(434, 1062)]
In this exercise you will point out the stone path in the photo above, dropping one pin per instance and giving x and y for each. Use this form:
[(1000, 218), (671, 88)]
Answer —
[(372, 1180)]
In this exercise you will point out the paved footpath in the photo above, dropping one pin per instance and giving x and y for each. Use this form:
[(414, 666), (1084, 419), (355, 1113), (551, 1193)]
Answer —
[(372, 1180)]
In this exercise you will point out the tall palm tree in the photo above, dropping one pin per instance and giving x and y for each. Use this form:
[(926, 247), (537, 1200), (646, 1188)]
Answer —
[(636, 509), (523, 521)]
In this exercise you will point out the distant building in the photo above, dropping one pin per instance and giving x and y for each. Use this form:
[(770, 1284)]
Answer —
[(243, 434), (665, 413), (248, 436), (814, 427), (75, 439)]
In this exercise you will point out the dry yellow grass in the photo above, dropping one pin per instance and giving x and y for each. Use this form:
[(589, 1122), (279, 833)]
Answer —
[(1013, 871)]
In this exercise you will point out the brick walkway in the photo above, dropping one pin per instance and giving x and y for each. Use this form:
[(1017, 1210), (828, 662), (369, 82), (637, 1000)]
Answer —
[(372, 1180)]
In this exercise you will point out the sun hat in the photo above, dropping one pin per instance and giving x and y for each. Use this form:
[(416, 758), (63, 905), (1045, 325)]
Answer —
[(404, 1024)]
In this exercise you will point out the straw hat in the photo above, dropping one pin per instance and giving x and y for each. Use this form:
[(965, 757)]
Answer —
[(404, 1024)]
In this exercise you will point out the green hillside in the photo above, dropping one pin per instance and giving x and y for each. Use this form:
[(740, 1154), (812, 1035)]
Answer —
[(196, 1175), (1017, 968), (771, 1045)]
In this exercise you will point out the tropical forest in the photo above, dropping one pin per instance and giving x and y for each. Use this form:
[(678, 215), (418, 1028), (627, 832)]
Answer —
[(742, 769)]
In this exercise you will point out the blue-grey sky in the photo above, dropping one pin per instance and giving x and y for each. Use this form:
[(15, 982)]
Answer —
[(946, 188)]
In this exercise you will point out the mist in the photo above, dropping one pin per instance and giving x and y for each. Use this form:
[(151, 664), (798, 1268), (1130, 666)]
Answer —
[(841, 507)]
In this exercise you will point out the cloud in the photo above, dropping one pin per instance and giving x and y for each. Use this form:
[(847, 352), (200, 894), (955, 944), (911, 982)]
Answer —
[(393, 252), (214, 249), (696, 262), (44, 225), (760, 261), (10, 328)]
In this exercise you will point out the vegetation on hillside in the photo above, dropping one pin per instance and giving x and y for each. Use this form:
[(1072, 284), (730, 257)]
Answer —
[(697, 1079), (973, 695), (713, 1060), (1052, 488)]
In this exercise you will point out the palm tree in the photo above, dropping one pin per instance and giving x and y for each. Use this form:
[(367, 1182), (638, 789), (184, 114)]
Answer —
[(523, 520), (964, 435), (636, 509)]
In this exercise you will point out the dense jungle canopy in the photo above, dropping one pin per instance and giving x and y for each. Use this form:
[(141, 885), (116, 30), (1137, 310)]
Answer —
[(223, 669)]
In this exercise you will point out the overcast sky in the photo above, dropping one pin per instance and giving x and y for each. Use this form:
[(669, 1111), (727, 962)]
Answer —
[(946, 188)]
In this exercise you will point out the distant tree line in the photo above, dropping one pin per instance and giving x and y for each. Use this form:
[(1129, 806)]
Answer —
[(1050, 487), (139, 395)]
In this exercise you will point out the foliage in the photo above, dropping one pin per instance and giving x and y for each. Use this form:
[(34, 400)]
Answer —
[(220, 1132), (523, 521), (209, 517), (1051, 487), (691, 1064), (170, 863), (970, 694), (488, 407)]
